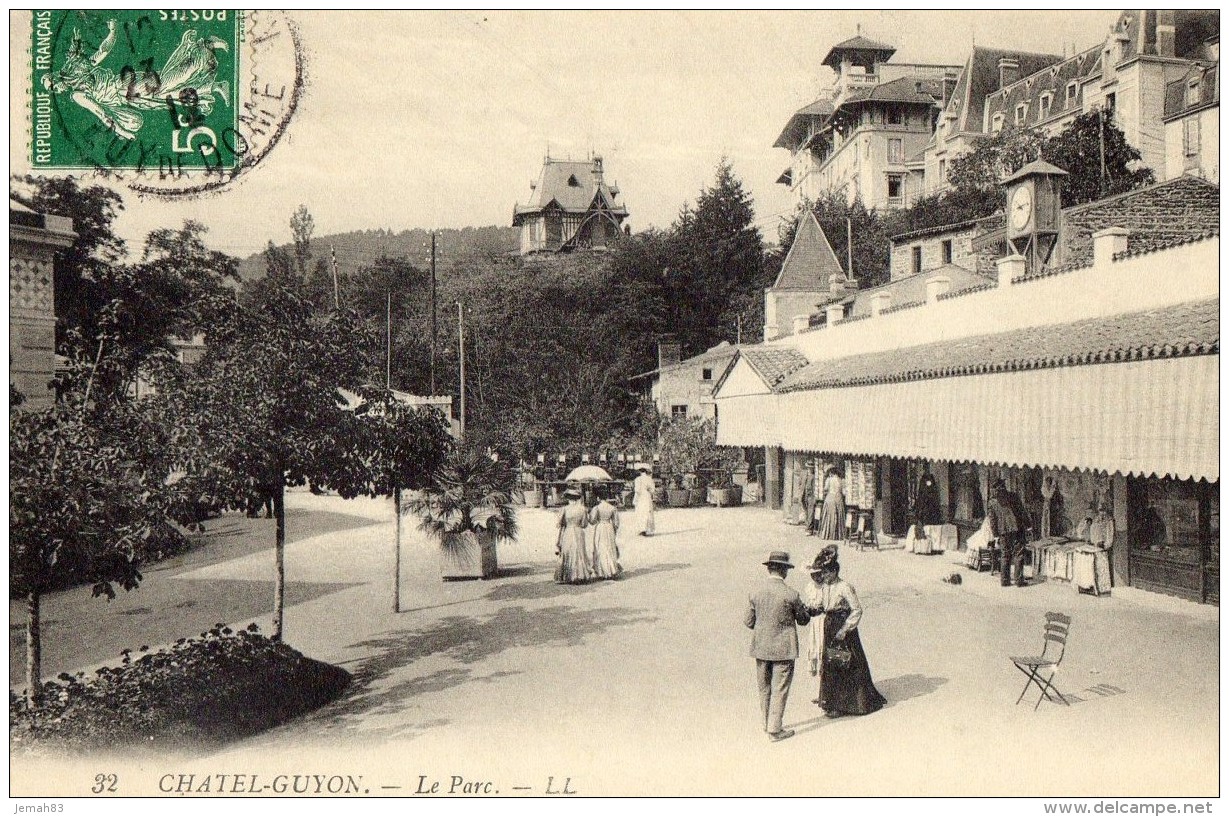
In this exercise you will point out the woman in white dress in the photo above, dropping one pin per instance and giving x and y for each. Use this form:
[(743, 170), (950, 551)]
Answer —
[(604, 518), (643, 499), (574, 567)]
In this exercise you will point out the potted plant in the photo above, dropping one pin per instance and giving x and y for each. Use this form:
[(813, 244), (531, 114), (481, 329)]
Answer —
[(467, 508), (677, 495), (724, 491)]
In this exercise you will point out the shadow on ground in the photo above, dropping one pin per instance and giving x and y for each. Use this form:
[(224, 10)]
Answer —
[(233, 535), (379, 687), (546, 588), (904, 687)]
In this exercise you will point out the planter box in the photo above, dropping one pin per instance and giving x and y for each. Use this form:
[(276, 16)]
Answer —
[(678, 497), (696, 496), (468, 556), (724, 497)]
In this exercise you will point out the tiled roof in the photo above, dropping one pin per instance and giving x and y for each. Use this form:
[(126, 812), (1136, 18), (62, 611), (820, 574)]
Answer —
[(774, 363), (1158, 216), (795, 129), (858, 43), (1161, 215), (1175, 331), (811, 262), (918, 90)]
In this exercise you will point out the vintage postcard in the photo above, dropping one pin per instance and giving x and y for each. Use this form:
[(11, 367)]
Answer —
[(517, 404)]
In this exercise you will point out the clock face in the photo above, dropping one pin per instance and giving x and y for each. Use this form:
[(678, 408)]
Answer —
[(1021, 208)]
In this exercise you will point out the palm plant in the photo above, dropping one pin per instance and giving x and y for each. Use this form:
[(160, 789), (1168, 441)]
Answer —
[(468, 507)]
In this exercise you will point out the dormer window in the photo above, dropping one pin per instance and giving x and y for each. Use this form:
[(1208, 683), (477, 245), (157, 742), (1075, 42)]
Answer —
[(1044, 103), (1192, 92), (573, 182), (996, 122), (1021, 112), (1073, 89)]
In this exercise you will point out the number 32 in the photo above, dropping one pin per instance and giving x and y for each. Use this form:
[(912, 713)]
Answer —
[(105, 782)]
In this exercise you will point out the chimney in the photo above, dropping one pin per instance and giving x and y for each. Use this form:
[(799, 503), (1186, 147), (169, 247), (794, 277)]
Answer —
[(1107, 243), (937, 286), (1009, 71), (669, 352), (879, 302), (1165, 33), (1010, 268), (834, 313), (836, 285)]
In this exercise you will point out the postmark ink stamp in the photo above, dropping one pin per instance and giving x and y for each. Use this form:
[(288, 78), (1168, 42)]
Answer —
[(172, 102)]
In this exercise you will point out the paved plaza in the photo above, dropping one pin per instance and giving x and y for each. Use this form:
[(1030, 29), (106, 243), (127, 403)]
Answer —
[(644, 685)]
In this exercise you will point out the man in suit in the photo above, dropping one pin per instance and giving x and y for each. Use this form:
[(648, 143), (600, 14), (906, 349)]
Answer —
[(773, 611)]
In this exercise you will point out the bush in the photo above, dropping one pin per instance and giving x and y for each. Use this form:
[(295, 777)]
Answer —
[(197, 694)]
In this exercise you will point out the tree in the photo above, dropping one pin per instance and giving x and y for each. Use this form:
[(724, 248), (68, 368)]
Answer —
[(1079, 148), (717, 262), (406, 447), (302, 225), (81, 498), (995, 158), (264, 409)]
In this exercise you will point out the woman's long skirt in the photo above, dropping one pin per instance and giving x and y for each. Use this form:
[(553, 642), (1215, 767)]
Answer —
[(605, 552), (832, 518), (574, 566), (846, 690)]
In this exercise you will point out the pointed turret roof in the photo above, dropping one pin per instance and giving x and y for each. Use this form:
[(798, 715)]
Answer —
[(859, 43), (811, 262)]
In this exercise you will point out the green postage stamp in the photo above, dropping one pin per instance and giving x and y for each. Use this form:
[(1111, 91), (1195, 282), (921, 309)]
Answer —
[(175, 101)]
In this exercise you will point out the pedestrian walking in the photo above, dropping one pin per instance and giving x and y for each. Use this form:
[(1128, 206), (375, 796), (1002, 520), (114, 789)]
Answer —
[(773, 611), (845, 684), (604, 518), (574, 567), (1008, 524), (832, 514), (643, 500)]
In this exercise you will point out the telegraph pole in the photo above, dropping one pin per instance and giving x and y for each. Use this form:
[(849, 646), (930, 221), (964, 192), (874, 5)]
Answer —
[(388, 342), (461, 344), (433, 327), (336, 286)]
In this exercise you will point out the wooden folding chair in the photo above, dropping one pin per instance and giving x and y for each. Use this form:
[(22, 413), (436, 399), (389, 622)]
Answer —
[(1054, 647)]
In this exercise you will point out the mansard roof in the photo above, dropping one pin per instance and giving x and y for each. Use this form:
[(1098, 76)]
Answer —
[(1052, 80), (980, 79), (811, 262)]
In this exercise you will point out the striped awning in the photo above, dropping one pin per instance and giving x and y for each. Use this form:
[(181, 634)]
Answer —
[(1146, 417)]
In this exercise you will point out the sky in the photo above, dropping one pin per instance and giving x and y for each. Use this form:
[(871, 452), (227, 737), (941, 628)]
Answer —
[(442, 119)]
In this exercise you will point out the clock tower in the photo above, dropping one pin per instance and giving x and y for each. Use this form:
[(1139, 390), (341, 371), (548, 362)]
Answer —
[(1034, 208)]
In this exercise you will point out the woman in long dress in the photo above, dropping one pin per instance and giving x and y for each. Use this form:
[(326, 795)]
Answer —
[(605, 521), (574, 567), (643, 499), (832, 515), (845, 684)]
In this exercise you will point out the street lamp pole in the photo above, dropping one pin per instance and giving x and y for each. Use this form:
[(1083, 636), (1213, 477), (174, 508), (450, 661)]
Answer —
[(461, 344), (388, 341)]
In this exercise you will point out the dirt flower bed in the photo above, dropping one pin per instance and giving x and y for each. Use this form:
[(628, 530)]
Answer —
[(197, 694)]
